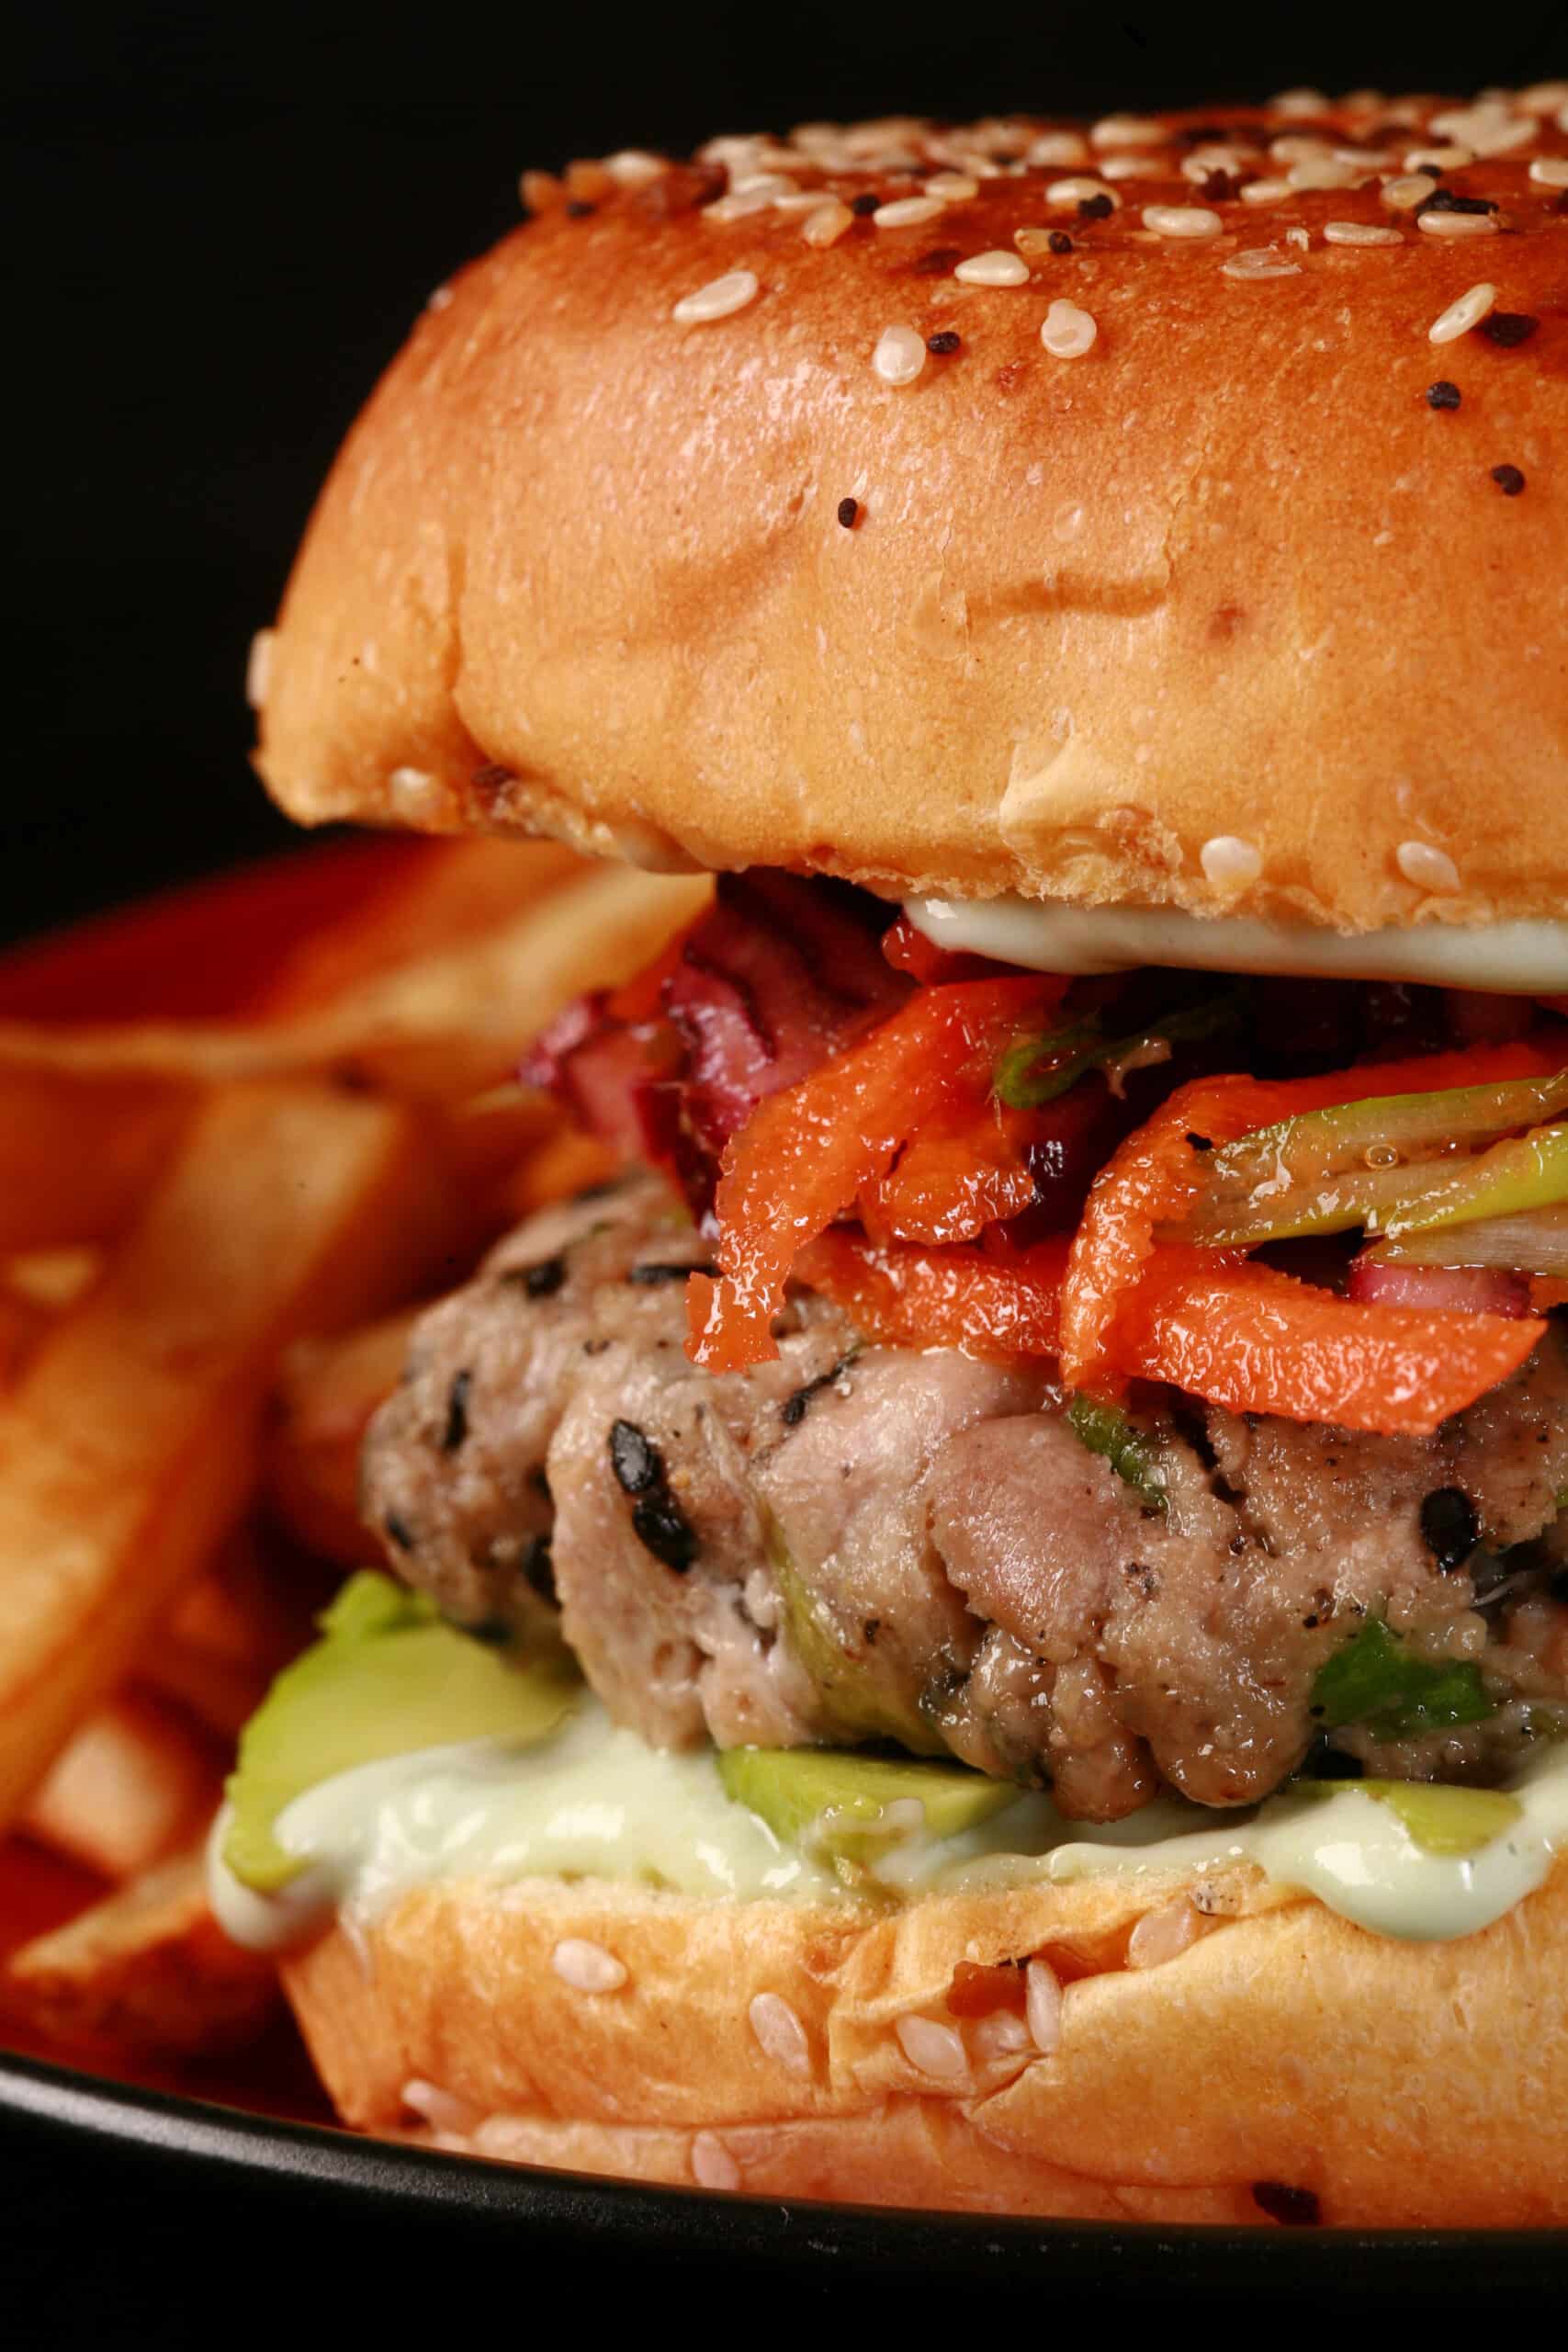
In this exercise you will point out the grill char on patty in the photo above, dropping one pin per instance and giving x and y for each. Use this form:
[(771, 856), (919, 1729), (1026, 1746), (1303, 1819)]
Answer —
[(861, 1541)]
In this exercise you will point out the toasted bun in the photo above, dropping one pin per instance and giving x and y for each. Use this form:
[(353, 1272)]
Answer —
[(1393, 2082), (580, 568)]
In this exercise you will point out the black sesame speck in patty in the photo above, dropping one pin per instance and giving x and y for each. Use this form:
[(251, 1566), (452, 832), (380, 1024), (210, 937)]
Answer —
[(542, 1281), (457, 1428), (659, 1523), (1451, 1528), (656, 1272)]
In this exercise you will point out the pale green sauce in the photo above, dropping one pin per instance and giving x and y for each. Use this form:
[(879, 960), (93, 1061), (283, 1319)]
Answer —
[(594, 1801)]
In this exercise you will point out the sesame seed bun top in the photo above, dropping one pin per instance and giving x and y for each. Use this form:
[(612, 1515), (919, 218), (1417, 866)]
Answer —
[(1013, 508)]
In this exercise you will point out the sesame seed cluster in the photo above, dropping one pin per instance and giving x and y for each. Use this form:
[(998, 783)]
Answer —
[(1011, 205)]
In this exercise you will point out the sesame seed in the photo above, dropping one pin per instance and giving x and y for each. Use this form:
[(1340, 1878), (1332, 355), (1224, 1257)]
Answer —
[(1042, 2005), (587, 1967), (1163, 1935), (1443, 394), (1322, 175), (1259, 262), (1301, 103), (932, 2048), (780, 2034), (1298, 147), (765, 184), (1463, 315), (994, 268), (441, 298), (848, 508), (1056, 148), (413, 793), (1360, 232), (1490, 128), (863, 207), (944, 343), (1128, 130), (907, 211), (1550, 170), (1081, 190), (797, 203), (1405, 195), (258, 667), (1066, 331), (436, 2106), (1509, 480), (718, 300), (1457, 224), (899, 356), (1190, 220), (1438, 158), (1508, 329), (1300, 238), (1097, 207), (954, 187), (634, 168), (827, 224), (1541, 98), (1204, 161), (1230, 863), (735, 207), (1428, 868), (1266, 191), (713, 2167), (1058, 241)]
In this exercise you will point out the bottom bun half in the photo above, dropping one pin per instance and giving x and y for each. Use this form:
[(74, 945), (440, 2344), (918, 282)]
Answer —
[(1224, 2050)]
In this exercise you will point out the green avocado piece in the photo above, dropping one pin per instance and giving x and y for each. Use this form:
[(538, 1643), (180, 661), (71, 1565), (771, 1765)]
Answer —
[(834, 1802), (1444, 1818), (387, 1678), (855, 1704)]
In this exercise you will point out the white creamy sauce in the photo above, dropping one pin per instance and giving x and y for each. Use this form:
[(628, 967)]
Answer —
[(594, 1801), (1503, 958)]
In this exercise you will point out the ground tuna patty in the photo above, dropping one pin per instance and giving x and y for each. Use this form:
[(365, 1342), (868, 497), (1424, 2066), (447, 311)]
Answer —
[(866, 1542)]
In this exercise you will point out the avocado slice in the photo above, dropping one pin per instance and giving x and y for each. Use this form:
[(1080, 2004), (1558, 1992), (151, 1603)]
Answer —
[(387, 1678), (1443, 1817), (855, 1703), (834, 1802)]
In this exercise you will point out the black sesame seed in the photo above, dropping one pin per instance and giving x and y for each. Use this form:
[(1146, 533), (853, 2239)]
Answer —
[(1509, 480), (944, 342), (1508, 329), (1296, 2209), (863, 207), (1443, 199), (1059, 242), (538, 1568), (1442, 394), (870, 1630), (848, 508), (577, 210), (634, 1458), (938, 262), (538, 1282), (457, 1428), (793, 1409), (399, 1531), (651, 1277), (1451, 1528), (662, 1528), (1095, 207)]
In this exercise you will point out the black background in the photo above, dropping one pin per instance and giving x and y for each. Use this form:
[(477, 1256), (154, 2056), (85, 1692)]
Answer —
[(220, 222)]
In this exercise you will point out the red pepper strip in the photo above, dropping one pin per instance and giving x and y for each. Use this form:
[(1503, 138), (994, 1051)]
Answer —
[(1257, 1341), (908, 950), (805, 1154), (1158, 1175), (965, 1168), (942, 1298)]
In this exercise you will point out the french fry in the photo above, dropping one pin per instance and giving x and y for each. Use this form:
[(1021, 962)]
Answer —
[(442, 1028), (217, 1649), (130, 1444), (77, 1154), (129, 1785), (450, 891), (565, 1163), (327, 1391), (148, 1968)]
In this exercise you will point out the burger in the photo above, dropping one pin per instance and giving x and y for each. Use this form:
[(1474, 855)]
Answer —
[(986, 1624)]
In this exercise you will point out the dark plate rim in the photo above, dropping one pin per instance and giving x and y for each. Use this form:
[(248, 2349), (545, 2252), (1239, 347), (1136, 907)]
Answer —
[(579, 2211)]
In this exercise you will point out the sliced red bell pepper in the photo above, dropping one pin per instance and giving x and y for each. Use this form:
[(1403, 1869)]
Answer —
[(960, 1298), (965, 1168), (1158, 1173), (806, 1154), (1248, 1337)]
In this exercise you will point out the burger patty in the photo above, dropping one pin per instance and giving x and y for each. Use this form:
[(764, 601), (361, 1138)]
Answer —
[(868, 1543)]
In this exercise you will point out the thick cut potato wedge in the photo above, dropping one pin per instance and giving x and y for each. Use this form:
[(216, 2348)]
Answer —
[(130, 1444), (132, 1782), (327, 1391)]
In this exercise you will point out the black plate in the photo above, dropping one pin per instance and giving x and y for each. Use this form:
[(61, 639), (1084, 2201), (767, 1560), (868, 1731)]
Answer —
[(126, 2155)]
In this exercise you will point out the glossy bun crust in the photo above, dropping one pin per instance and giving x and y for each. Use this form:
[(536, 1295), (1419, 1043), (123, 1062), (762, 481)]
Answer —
[(1283, 2066), (717, 592)]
